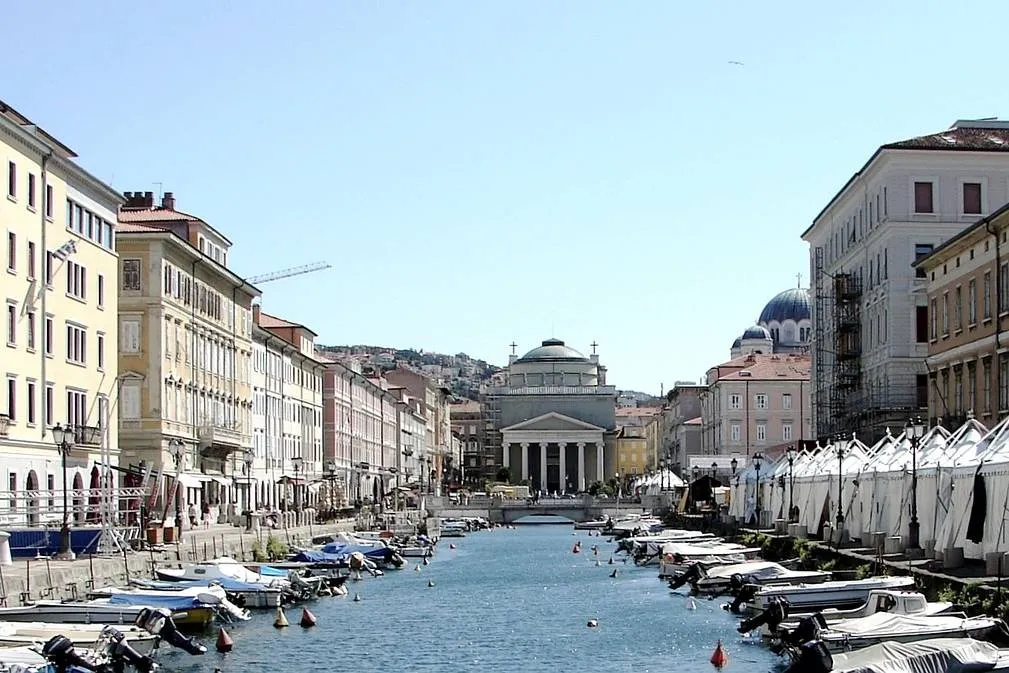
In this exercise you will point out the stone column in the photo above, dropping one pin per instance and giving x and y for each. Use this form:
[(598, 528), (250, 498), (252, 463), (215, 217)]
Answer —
[(599, 461), (581, 466), (506, 455), (563, 446), (525, 460), (543, 466)]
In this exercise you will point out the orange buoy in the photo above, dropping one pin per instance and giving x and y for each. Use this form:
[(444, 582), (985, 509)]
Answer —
[(224, 641), (719, 658), (307, 618)]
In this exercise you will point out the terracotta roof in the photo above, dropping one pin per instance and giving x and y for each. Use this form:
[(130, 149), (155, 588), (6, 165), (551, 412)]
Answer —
[(974, 139), (137, 227), (638, 411), (267, 321), (773, 368), (155, 214)]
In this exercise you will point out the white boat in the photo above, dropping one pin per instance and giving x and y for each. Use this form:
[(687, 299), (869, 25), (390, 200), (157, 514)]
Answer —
[(23, 634), (596, 524), (722, 579), (854, 634), (839, 594), (786, 620), (95, 611), (22, 660), (936, 655), (213, 597), (677, 557), (255, 590)]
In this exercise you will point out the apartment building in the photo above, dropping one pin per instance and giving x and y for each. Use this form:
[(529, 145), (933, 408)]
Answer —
[(637, 439), (681, 437), (58, 356), (968, 309), (437, 411), (756, 402), (185, 352), (287, 413), (468, 425), (870, 310)]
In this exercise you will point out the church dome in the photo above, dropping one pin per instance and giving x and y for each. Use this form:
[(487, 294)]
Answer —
[(756, 332), (553, 350), (738, 342), (792, 304)]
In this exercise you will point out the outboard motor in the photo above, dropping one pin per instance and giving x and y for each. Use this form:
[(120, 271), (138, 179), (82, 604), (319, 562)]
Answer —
[(813, 657), (121, 652), (159, 622), (776, 612), (691, 574), (807, 629), (742, 596), (60, 652)]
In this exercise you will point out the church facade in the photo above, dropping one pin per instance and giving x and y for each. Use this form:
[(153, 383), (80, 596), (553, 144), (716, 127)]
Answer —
[(557, 419)]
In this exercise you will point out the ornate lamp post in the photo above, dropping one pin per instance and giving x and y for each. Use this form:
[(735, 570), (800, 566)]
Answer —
[(662, 475), (791, 454), (175, 449), (915, 430), (839, 448), (64, 440), (249, 499), (758, 461), (297, 462)]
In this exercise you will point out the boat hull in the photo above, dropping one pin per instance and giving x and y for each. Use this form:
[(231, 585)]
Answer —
[(85, 613)]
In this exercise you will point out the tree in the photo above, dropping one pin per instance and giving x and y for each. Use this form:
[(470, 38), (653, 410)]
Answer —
[(504, 475)]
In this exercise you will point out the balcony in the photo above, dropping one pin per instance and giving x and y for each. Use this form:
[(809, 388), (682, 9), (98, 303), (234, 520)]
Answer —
[(87, 435), (226, 436)]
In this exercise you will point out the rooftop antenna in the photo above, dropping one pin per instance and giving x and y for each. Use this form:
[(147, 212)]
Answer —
[(798, 278)]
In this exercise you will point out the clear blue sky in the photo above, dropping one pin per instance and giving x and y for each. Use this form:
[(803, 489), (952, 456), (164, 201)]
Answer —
[(482, 172)]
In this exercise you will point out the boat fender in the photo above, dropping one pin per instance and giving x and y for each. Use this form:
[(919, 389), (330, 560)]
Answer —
[(813, 657)]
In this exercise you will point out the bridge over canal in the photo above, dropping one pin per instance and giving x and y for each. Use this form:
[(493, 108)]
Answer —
[(497, 510)]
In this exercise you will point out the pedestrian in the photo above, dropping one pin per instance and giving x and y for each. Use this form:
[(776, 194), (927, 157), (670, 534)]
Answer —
[(206, 514), (194, 515)]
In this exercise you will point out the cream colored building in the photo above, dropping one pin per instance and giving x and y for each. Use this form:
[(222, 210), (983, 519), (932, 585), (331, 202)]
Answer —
[(185, 325), (58, 284), (287, 395), (442, 466)]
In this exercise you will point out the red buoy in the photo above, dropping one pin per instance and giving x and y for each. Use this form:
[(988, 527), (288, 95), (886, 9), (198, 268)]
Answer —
[(307, 618), (576, 549), (224, 641), (719, 658)]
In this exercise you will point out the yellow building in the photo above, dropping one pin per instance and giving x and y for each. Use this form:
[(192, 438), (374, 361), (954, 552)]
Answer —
[(639, 434), (185, 321), (58, 286)]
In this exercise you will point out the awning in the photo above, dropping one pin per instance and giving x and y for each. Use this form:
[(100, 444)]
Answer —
[(223, 481), (290, 480), (190, 480)]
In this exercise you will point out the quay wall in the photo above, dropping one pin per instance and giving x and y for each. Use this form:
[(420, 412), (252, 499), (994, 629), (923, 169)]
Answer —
[(34, 579)]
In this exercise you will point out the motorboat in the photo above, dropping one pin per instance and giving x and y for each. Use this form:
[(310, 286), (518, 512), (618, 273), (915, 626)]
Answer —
[(937, 655), (453, 528), (248, 588), (103, 611), (23, 634), (651, 543), (782, 619), (195, 604), (855, 634), (595, 524), (678, 556), (720, 580), (840, 594), (25, 659)]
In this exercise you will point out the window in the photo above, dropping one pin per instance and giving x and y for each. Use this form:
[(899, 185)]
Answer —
[(734, 432), (12, 398), (31, 260), (77, 281), (49, 417), (786, 401), (12, 251), (77, 407), (12, 324), (49, 202), (12, 180), (958, 309), (735, 401), (1003, 288), (51, 486), (933, 328), (31, 191), (761, 432), (31, 403), (49, 336), (131, 275), (971, 384), (101, 351), (972, 301), (129, 338), (921, 323), (101, 291), (760, 401), (30, 319), (77, 344), (130, 400), (49, 268), (945, 313), (958, 389), (921, 251), (986, 296), (923, 197), (1003, 382), (786, 432), (972, 198)]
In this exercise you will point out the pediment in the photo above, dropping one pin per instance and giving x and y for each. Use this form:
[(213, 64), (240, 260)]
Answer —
[(553, 421)]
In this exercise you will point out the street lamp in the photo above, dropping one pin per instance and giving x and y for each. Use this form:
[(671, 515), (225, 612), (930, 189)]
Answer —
[(175, 448), (758, 460), (616, 477), (297, 462), (791, 453), (840, 450), (734, 464), (662, 475), (714, 469), (64, 439), (249, 500), (915, 430)]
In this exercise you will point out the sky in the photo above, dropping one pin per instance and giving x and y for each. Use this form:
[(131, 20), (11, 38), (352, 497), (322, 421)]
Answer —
[(483, 172)]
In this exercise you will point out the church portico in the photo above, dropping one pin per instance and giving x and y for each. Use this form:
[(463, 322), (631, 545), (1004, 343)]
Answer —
[(555, 453)]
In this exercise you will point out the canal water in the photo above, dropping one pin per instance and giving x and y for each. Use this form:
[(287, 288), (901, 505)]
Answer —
[(504, 600)]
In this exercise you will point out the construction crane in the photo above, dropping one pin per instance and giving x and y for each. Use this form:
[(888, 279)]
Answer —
[(287, 273)]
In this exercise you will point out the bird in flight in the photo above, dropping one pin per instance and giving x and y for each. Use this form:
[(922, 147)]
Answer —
[(736, 63)]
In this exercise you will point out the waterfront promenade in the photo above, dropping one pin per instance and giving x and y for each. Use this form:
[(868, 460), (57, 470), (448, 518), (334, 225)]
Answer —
[(31, 579)]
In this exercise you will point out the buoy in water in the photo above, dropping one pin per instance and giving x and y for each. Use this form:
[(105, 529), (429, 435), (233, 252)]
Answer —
[(593, 623), (451, 546), (691, 603), (614, 573), (416, 568), (281, 620), (597, 563), (576, 549), (718, 658), (426, 560), (357, 598), (430, 583), (307, 618), (611, 560), (224, 641)]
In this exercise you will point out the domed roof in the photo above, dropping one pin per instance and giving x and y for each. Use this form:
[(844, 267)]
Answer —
[(756, 332), (792, 304), (738, 342), (553, 350)]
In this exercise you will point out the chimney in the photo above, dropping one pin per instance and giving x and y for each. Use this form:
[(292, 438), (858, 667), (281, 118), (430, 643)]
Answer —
[(168, 201), (136, 200), (148, 199), (255, 313)]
